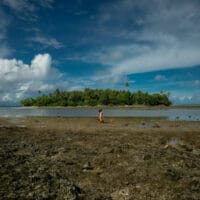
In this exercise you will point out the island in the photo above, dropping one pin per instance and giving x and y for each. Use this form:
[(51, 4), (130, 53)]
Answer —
[(94, 97)]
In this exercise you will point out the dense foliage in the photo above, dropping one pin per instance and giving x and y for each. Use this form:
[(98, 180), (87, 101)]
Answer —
[(93, 97)]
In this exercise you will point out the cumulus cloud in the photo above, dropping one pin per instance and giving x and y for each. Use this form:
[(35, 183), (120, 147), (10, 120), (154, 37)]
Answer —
[(40, 65), (18, 79), (13, 69)]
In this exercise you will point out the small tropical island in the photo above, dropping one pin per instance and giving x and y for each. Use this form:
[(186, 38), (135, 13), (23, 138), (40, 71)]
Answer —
[(95, 97)]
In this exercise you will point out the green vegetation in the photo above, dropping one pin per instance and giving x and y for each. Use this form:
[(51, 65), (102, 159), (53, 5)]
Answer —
[(94, 97)]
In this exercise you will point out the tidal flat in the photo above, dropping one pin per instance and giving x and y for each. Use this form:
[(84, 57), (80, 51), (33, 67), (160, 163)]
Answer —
[(82, 159)]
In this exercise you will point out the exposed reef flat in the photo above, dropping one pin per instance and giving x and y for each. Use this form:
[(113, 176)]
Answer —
[(79, 158)]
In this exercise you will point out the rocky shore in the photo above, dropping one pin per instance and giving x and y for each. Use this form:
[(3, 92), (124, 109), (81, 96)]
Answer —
[(81, 159)]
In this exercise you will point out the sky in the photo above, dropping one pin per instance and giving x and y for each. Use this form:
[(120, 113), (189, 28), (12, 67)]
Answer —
[(77, 44)]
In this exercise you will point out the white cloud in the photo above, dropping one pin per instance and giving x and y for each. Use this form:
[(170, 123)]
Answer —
[(4, 22), (5, 50), (27, 5), (19, 5), (141, 37), (41, 65), (11, 70), (196, 83), (47, 42), (46, 3), (18, 79), (196, 98), (160, 78), (193, 99), (27, 9), (146, 59)]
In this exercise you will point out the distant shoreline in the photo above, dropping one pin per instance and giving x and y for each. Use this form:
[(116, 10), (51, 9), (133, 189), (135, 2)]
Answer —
[(138, 107)]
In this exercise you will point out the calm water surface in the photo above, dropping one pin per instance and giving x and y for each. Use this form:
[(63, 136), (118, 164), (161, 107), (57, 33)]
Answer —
[(171, 114)]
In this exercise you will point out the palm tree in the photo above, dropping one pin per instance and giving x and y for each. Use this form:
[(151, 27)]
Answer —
[(126, 84)]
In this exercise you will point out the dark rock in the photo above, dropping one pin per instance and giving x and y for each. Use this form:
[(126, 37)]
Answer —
[(195, 185), (173, 174), (186, 147), (101, 197), (147, 157)]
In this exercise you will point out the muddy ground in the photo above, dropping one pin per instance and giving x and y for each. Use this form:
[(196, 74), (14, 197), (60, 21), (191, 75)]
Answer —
[(80, 159)]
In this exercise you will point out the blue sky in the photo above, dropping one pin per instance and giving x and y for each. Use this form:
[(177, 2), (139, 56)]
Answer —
[(77, 44)]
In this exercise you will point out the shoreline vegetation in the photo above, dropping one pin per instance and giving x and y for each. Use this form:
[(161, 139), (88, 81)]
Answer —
[(98, 97)]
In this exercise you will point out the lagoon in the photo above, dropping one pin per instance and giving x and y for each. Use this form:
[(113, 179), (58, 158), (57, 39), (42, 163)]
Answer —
[(169, 113)]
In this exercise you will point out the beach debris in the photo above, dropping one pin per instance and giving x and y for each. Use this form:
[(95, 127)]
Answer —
[(87, 166), (138, 186)]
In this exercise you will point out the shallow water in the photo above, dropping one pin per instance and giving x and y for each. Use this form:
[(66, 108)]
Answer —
[(170, 114), (174, 142)]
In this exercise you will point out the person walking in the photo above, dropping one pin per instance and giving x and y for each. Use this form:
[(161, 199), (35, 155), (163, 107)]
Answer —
[(100, 116)]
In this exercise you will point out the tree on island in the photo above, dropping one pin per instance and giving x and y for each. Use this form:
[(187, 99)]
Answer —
[(94, 97)]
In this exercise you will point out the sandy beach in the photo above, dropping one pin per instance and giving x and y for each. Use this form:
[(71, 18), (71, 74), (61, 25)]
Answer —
[(79, 158)]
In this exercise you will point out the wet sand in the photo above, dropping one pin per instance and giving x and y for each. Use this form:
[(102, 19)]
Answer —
[(79, 158)]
